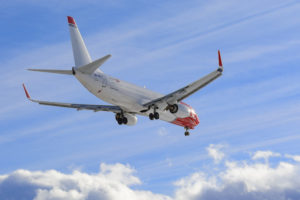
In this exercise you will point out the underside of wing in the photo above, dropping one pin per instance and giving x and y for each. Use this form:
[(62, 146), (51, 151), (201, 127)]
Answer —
[(96, 108), (188, 90)]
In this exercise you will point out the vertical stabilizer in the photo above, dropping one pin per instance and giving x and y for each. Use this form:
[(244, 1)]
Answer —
[(80, 52)]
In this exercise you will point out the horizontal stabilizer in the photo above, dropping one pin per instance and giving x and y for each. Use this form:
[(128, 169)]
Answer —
[(93, 66), (69, 72)]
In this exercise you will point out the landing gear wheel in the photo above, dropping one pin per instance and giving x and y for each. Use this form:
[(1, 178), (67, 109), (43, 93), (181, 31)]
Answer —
[(118, 115), (125, 120), (151, 116), (120, 121), (186, 133), (156, 115)]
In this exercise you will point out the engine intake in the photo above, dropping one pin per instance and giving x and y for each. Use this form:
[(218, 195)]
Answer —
[(179, 110), (173, 108)]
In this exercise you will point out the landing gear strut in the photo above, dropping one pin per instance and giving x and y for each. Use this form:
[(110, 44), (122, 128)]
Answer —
[(121, 119), (154, 115), (186, 133)]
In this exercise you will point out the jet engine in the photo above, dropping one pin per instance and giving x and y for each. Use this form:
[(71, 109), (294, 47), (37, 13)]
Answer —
[(131, 119), (179, 110)]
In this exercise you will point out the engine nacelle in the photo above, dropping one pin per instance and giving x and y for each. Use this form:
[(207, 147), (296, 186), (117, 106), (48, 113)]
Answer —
[(179, 110), (131, 119)]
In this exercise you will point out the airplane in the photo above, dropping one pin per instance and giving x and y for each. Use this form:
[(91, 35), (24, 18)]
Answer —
[(128, 100)]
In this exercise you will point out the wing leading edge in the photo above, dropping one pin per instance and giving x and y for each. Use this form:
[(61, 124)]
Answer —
[(188, 90), (96, 108)]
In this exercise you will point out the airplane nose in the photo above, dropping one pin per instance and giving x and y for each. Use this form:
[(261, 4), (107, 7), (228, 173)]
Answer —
[(191, 121), (195, 118)]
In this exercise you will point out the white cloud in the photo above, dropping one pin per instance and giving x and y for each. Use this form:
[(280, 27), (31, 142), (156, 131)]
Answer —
[(242, 180), (193, 186), (239, 180), (264, 155), (113, 182), (215, 152), (294, 157)]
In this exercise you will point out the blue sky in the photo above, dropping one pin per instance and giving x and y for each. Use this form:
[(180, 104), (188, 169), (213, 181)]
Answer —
[(254, 107)]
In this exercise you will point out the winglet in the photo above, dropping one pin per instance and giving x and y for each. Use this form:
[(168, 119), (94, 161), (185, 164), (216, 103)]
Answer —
[(220, 62), (71, 20), (26, 92)]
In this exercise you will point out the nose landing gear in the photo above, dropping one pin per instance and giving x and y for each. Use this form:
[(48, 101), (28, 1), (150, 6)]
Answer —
[(186, 133)]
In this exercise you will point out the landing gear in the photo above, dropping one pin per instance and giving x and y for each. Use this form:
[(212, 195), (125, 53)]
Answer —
[(154, 115), (121, 119), (125, 120), (151, 116), (186, 133)]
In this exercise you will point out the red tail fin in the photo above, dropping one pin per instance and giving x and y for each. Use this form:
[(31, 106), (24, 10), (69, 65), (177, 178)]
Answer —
[(71, 20)]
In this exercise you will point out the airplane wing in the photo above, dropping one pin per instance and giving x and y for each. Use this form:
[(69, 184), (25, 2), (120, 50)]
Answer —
[(96, 108), (188, 90)]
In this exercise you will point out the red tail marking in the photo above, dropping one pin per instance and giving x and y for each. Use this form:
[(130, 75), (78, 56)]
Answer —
[(71, 20), (27, 94), (220, 60)]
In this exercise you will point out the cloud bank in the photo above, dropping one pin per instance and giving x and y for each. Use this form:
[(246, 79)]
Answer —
[(254, 178), (246, 179), (243, 181), (112, 182)]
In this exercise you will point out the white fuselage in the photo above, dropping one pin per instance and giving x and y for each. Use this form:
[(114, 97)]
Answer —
[(123, 94)]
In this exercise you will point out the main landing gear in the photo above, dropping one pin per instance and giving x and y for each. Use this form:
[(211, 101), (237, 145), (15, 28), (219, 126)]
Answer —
[(121, 119), (154, 115), (186, 133)]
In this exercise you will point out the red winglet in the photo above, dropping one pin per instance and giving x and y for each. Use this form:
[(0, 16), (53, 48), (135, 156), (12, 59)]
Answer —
[(27, 94), (71, 20), (220, 60)]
